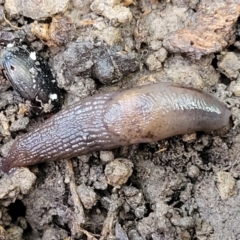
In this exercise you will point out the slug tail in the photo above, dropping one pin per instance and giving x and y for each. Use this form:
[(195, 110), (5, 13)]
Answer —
[(4, 165)]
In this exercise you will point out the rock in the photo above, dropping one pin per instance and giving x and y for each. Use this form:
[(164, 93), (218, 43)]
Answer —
[(44, 9), (20, 124), (84, 59), (118, 171), (15, 185), (15, 233), (59, 32), (226, 185), (209, 31), (236, 89), (229, 65), (110, 35), (54, 234), (153, 63), (112, 9), (193, 171), (87, 196), (106, 156), (161, 54)]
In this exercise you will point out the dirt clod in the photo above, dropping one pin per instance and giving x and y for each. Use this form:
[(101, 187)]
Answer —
[(35, 10), (118, 171)]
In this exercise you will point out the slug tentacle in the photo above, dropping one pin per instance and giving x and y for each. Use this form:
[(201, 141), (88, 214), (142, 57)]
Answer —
[(109, 120)]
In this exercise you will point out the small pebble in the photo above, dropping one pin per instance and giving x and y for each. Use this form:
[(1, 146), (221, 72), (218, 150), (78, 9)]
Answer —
[(229, 65), (189, 137), (112, 10), (87, 195), (161, 54), (118, 171), (15, 233), (236, 89), (20, 124), (226, 185), (193, 171), (110, 35), (153, 63), (106, 156)]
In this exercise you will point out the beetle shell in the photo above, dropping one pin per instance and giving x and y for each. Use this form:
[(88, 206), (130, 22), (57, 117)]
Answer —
[(30, 76)]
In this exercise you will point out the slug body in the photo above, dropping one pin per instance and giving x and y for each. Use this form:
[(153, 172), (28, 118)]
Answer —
[(109, 120)]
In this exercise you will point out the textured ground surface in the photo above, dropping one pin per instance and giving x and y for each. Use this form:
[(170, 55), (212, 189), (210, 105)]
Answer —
[(185, 187)]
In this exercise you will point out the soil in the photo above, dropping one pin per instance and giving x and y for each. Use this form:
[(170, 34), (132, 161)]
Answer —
[(184, 187)]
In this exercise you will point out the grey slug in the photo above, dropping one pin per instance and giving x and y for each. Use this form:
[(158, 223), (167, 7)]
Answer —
[(31, 77), (109, 120)]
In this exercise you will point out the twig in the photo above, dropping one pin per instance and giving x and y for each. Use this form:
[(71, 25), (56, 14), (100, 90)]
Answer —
[(109, 222), (7, 21), (78, 207)]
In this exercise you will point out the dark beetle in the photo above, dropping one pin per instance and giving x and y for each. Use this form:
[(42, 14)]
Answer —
[(31, 77)]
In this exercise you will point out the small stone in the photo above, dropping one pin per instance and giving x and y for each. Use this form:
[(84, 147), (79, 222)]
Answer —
[(185, 222), (229, 65), (36, 10), (201, 35), (161, 54), (193, 171), (97, 178), (15, 233), (6, 219), (226, 185), (134, 235), (237, 44), (155, 45), (87, 195), (189, 137), (84, 158), (24, 108), (106, 156), (55, 234), (236, 89), (24, 179), (6, 97), (13, 186), (140, 211), (58, 32), (153, 63), (112, 10), (22, 222), (120, 232), (99, 25), (110, 35), (61, 30), (20, 124), (133, 196), (118, 171), (4, 125)]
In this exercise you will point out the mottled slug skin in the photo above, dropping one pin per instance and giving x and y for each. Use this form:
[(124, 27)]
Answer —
[(109, 120)]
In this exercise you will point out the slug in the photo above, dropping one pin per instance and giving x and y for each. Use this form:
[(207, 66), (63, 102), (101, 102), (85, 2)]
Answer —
[(31, 77), (110, 120)]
